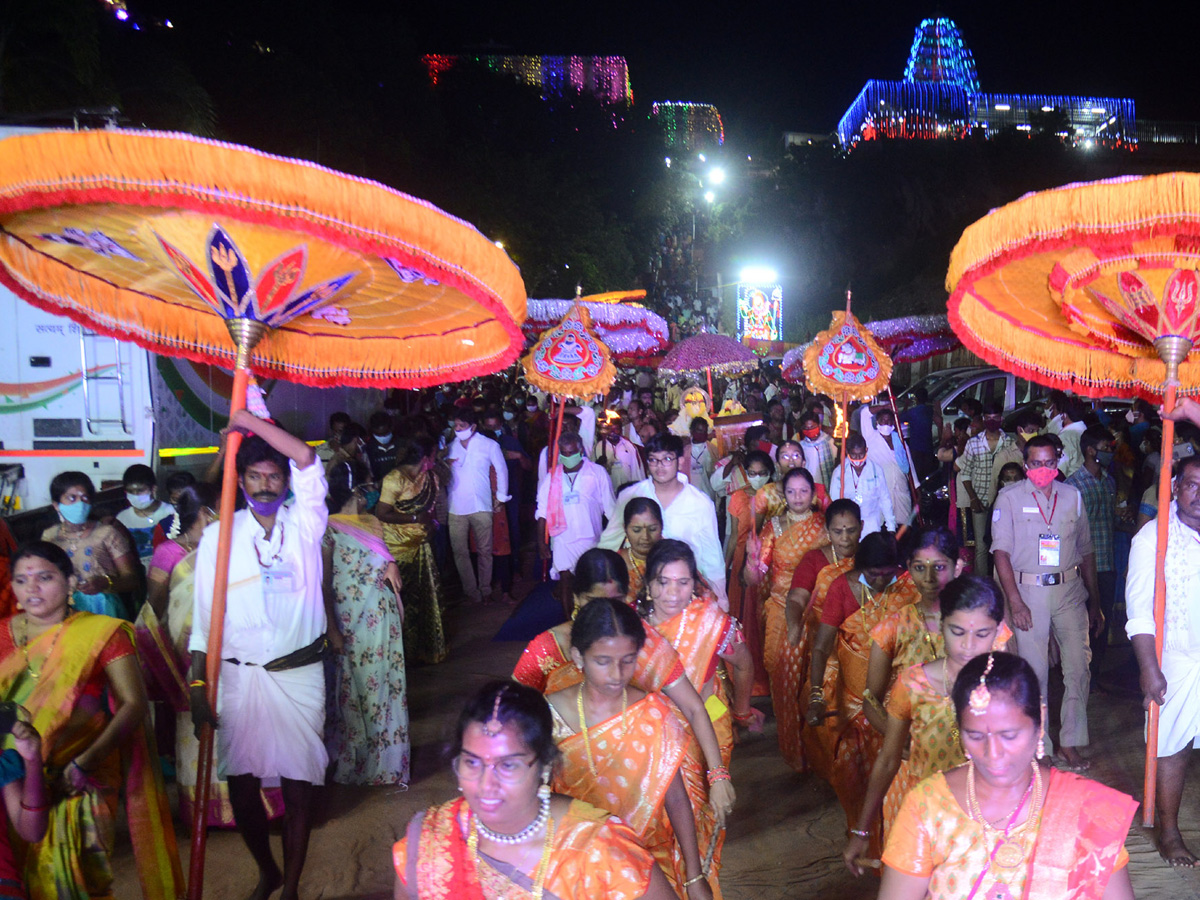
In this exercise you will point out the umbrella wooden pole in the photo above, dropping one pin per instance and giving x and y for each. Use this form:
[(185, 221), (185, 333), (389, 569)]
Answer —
[(1160, 604), (245, 337), (708, 372)]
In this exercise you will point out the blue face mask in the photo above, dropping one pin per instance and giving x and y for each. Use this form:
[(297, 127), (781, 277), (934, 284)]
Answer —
[(863, 579), (76, 513)]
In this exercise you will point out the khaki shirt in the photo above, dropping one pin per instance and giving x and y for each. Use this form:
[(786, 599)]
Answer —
[(1017, 524)]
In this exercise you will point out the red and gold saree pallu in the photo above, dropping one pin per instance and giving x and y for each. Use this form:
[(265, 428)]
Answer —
[(72, 859), (658, 666), (857, 743), (818, 741), (634, 764)]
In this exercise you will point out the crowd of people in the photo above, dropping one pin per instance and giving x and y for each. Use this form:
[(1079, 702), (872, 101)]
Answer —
[(704, 570)]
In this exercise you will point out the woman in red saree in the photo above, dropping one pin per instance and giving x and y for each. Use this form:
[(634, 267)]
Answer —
[(628, 759), (857, 601), (643, 529), (546, 664), (77, 673), (1006, 825), (508, 836)]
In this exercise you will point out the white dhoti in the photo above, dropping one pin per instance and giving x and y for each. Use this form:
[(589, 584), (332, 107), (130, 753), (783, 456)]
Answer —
[(1179, 718), (272, 723)]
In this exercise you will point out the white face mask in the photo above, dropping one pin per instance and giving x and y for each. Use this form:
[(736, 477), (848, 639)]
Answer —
[(384, 439), (757, 481), (1131, 417), (886, 430), (139, 501), (463, 435)]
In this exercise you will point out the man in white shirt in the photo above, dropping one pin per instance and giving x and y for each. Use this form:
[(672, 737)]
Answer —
[(1174, 684), (616, 453), (472, 458), (271, 707), (688, 515), (885, 448), (865, 484), (571, 505), (1072, 430), (699, 458)]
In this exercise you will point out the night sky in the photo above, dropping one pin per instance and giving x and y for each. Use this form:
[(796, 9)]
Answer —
[(796, 67)]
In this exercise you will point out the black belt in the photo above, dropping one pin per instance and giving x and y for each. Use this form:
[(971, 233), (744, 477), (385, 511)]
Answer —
[(305, 656)]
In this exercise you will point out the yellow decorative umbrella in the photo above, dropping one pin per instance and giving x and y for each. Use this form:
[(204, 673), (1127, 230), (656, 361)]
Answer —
[(199, 249), (1092, 288)]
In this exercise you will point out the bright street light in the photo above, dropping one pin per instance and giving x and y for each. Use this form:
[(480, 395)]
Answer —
[(668, 160), (759, 275), (716, 176), (710, 196)]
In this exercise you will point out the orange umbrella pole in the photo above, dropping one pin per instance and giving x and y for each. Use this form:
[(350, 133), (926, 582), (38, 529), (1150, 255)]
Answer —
[(1160, 604), (246, 334), (708, 372)]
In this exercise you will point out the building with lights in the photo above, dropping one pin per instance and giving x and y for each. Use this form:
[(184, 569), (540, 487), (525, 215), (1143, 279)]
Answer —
[(940, 97), (604, 77), (689, 126)]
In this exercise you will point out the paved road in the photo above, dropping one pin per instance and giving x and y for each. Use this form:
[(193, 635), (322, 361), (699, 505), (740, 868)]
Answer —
[(785, 836)]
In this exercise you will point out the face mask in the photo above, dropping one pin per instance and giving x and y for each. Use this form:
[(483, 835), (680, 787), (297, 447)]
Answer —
[(811, 433), (509, 415), (570, 460), (531, 409), (463, 435), (992, 424), (1027, 435), (265, 507), (498, 432), (1104, 458), (76, 513), (139, 501), (384, 439), (858, 464), (1131, 417), (757, 481), (1041, 476), (886, 430)]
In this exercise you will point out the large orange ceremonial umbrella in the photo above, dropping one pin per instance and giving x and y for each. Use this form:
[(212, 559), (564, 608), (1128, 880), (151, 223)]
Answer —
[(200, 249), (1092, 288)]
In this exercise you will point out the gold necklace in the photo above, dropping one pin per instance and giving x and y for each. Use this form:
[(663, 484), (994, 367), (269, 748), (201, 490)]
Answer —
[(543, 866), (869, 596), (954, 734), (23, 644), (1010, 845), (587, 744)]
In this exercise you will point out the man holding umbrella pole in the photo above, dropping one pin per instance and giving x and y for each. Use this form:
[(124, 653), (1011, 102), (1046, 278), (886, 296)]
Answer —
[(271, 712)]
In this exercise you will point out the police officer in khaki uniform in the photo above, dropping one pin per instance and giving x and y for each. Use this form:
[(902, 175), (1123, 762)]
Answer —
[(1042, 552)]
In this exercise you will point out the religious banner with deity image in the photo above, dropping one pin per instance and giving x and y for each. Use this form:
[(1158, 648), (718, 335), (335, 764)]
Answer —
[(569, 360)]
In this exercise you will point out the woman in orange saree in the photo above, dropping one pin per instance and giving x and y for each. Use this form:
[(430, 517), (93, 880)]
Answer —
[(546, 664), (855, 604), (1005, 825), (643, 529), (705, 637), (971, 612), (786, 539), (62, 666), (508, 836), (739, 527), (769, 501), (628, 760)]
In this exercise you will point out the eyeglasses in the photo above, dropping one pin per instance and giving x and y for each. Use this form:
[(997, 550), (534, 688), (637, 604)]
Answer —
[(662, 461), (509, 769), (1042, 464)]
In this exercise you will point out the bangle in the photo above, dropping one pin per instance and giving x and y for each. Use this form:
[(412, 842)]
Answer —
[(717, 773), (199, 682), (42, 808), (79, 767), (692, 881), (747, 717), (865, 835)]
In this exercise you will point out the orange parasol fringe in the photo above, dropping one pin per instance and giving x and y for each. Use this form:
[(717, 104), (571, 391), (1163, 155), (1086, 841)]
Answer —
[(171, 171), (830, 387), (1130, 206)]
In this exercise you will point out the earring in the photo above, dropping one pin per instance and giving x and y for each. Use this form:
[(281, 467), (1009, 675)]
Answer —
[(543, 791), (1041, 750)]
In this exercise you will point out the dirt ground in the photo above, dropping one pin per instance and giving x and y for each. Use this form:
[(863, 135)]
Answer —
[(784, 839)]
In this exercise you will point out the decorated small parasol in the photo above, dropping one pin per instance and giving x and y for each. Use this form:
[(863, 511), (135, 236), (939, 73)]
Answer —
[(225, 255), (909, 339), (707, 352), (845, 363), (1092, 288), (631, 332)]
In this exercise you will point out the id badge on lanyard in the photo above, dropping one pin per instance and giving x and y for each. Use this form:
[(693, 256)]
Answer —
[(1049, 550), (279, 580)]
